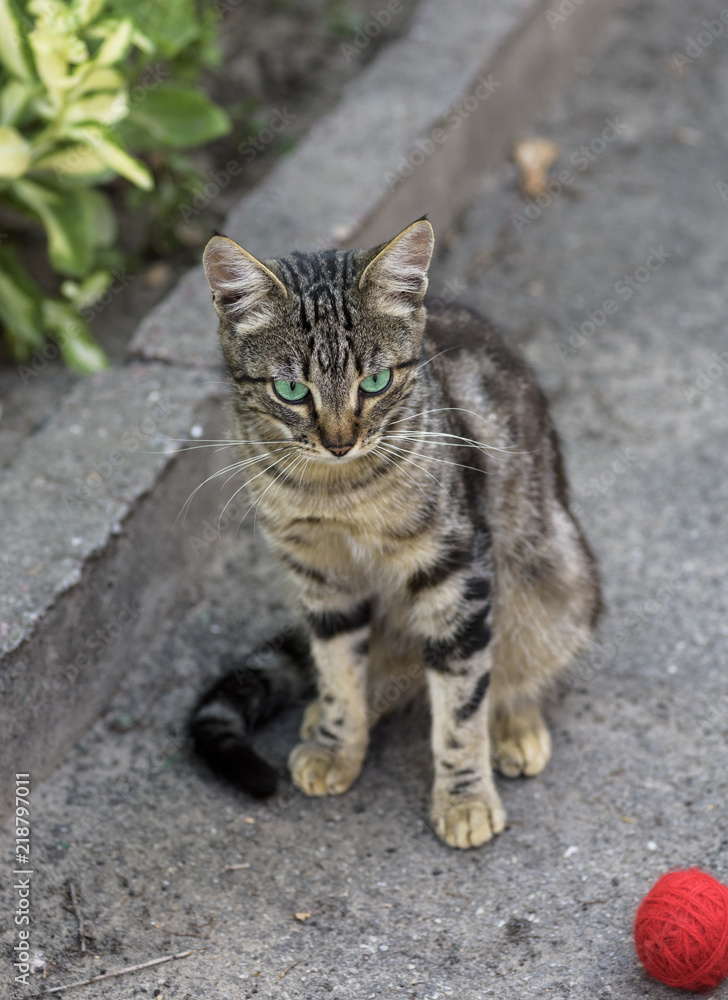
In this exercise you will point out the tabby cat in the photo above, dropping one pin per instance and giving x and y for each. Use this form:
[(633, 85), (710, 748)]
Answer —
[(409, 480)]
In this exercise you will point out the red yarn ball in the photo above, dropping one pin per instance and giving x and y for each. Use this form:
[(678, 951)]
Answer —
[(681, 930)]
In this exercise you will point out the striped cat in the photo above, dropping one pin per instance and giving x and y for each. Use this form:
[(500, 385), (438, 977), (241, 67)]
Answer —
[(409, 481)]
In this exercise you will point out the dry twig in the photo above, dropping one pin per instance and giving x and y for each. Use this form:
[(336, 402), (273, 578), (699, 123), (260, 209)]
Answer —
[(77, 911), (113, 975), (286, 971)]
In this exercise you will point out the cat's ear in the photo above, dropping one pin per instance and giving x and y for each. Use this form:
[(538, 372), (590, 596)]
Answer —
[(396, 280), (243, 289)]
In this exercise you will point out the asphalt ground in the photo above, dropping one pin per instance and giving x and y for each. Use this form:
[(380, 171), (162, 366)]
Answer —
[(616, 291)]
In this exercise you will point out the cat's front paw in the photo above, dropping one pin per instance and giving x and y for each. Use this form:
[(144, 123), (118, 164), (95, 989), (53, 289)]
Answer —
[(468, 824), (316, 770)]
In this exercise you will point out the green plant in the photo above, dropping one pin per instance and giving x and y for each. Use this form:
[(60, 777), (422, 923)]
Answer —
[(85, 87)]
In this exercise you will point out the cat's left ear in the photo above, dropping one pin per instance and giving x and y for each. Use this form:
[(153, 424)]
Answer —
[(396, 280), (243, 288)]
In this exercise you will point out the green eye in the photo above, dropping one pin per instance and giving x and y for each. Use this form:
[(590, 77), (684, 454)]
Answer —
[(378, 382), (292, 392)]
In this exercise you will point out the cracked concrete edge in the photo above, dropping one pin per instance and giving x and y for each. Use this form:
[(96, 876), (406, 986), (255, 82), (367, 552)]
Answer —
[(96, 553), (90, 562)]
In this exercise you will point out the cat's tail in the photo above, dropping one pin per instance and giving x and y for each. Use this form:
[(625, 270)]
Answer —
[(268, 679)]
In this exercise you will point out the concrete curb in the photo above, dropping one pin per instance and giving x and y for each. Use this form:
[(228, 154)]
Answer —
[(91, 560)]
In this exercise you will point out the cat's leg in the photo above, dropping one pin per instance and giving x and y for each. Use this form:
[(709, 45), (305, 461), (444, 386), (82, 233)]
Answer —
[(455, 619), (545, 614), (466, 808), (335, 728)]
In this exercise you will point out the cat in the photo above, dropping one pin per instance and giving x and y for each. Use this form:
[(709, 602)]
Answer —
[(410, 483)]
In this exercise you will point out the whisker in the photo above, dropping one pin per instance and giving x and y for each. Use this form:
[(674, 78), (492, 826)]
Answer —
[(401, 457), (433, 458), (247, 482), (440, 409), (397, 465), (246, 464), (289, 469), (256, 502), (468, 442), (238, 490), (203, 442), (472, 445), (425, 363), (237, 466)]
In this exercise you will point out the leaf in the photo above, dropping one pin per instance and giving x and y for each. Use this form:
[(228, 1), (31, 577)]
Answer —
[(171, 26), (173, 116), (52, 67), (103, 108), (80, 160), (116, 158), (14, 97), (88, 10), (100, 218), (70, 244), (102, 79), (14, 153), (20, 301), (78, 348), (116, 44), (14, 52)]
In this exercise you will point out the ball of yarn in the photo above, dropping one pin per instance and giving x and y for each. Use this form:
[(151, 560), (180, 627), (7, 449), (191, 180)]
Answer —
[(681, 930)]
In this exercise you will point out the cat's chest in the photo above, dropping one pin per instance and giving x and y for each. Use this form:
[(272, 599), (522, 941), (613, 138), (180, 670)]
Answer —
[(355, 553)]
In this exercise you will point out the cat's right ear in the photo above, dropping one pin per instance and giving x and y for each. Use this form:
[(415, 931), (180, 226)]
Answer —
[(243, 289), (395, 282)]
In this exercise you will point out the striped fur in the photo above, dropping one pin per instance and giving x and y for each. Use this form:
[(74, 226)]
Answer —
[(425, 528)]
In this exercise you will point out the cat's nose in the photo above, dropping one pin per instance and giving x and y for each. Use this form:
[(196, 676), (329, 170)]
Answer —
[(339, 449)]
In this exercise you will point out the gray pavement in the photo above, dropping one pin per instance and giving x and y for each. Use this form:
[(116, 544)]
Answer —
[(616, 292)]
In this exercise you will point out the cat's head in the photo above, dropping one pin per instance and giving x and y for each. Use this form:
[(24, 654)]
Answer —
[(325, 345)]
